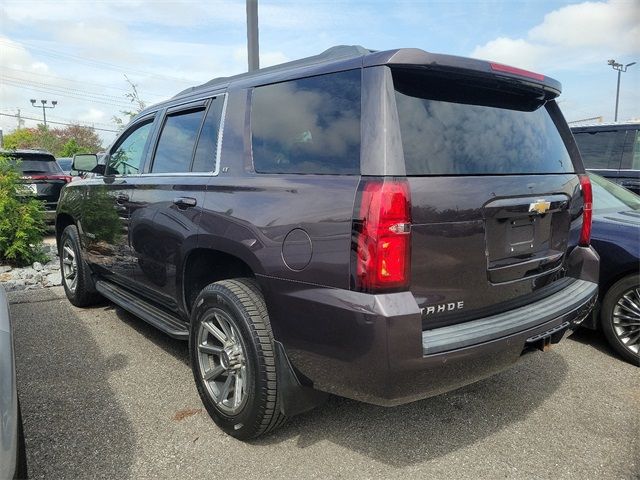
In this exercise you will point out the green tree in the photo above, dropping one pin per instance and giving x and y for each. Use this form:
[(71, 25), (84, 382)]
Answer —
[(21, 138), (70, 148), (137, 105), (58, 141), (22, 223)]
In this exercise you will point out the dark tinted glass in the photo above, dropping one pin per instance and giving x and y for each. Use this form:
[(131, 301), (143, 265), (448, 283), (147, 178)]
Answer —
[(205, 159), (127, 157), (447, 130), (635, 159), (65, 164), (601, 149), (310, 125), (39, 166), (177, 140), (609, 197)]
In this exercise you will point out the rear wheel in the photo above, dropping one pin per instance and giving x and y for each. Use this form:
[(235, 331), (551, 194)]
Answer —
[(76, 277), (232, 356), (620, 318)]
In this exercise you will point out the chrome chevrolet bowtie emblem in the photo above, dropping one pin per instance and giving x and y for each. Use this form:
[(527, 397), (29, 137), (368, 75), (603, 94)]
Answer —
[(540, 206)]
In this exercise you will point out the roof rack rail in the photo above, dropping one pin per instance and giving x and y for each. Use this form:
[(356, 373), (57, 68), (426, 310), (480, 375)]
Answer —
[(333, 53)]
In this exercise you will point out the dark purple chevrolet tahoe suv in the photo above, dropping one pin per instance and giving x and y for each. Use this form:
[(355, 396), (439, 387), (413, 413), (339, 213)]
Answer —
[(384, 226)]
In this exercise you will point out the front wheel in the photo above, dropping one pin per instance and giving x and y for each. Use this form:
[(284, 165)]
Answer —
[(620, 318), (232, 357), (76, 277)]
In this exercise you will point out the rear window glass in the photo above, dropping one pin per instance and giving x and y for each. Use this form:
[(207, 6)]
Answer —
[(601, 149), (36, 164), (311, 125), (447, 130)]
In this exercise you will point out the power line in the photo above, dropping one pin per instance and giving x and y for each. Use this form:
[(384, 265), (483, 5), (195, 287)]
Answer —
[(70, 80), (59, 123), (65, 89), (88, 61), (76, 96)]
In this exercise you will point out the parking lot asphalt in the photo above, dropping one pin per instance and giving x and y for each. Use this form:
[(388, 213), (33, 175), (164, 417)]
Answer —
[(104, 395)]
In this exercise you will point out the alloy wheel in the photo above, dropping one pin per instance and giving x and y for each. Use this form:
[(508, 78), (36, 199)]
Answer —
[(222, 361), (626, 319), (69, 265)]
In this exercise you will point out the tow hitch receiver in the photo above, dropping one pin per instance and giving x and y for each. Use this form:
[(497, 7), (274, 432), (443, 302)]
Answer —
[(544, 340)]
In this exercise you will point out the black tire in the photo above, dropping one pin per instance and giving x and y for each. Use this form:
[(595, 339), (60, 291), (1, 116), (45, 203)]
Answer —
[(615, 292), (84, 293), (245, 309), (21, 460)]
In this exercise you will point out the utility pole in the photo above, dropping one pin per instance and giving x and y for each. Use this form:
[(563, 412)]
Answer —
[(44, 108), (20, 121), (253, 48), (620, 68)]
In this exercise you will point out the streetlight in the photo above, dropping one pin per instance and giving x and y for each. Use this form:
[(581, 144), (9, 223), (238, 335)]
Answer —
[(620, 68), (44, 107)]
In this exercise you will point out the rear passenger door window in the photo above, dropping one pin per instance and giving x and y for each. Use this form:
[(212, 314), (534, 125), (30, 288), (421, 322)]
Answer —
[(601, 149), (177, 142), (310, 125), (128, 156)]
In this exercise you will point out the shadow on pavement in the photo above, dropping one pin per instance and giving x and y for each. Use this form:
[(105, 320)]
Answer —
[(74, 425), (424, 430), (405, 435), (178, 348), (596, 339)]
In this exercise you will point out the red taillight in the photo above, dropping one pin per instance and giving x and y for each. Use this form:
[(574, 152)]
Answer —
[(587, 197), (499, 67), (383, 230), (66, 178)]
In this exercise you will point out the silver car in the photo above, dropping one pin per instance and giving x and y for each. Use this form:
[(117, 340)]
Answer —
[(12, 453)]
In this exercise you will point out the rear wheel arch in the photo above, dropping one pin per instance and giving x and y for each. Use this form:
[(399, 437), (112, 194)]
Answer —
[(203, 266), (626, 271), (63, 220)]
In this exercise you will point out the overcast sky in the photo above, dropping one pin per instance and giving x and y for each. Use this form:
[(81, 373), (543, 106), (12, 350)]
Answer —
[(78, 51)]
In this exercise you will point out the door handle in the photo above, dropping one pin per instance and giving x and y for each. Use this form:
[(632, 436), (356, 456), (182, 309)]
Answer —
[(185, 202), (122, 198)]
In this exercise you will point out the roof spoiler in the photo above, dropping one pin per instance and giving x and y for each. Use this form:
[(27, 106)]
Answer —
[(414, 57)]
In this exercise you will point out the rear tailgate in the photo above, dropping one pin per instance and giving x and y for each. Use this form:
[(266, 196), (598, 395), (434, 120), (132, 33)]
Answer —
[(42, 176), (494, 193)]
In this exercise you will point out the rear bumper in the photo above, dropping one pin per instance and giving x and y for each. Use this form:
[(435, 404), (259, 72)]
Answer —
[(372, 348)]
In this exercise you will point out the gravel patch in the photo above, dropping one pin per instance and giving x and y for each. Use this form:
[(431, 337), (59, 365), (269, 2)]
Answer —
[(35, 276)]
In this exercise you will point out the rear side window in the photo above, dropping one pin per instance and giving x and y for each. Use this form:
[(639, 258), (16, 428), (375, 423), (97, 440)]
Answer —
[(177, 141), (205, 158), (635, 159), (448, 129), (631, 156), (601, 149), (311, 125)]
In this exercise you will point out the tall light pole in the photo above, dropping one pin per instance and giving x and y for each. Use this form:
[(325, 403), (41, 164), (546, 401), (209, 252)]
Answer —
[(253, 49), (620, 68), (44, 107)]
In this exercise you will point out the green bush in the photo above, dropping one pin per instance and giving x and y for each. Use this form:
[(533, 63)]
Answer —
[(22, 223)]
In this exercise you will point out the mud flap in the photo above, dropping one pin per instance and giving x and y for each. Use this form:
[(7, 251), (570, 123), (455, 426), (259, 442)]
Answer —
[(294, 398)]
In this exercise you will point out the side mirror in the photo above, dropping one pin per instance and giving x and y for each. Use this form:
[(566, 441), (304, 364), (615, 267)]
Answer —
[(84, 162)]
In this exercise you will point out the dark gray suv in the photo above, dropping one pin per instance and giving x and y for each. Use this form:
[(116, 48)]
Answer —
[(384, 226)]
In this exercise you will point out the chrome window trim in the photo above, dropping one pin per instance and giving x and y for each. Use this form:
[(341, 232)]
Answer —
[(216, 169)]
